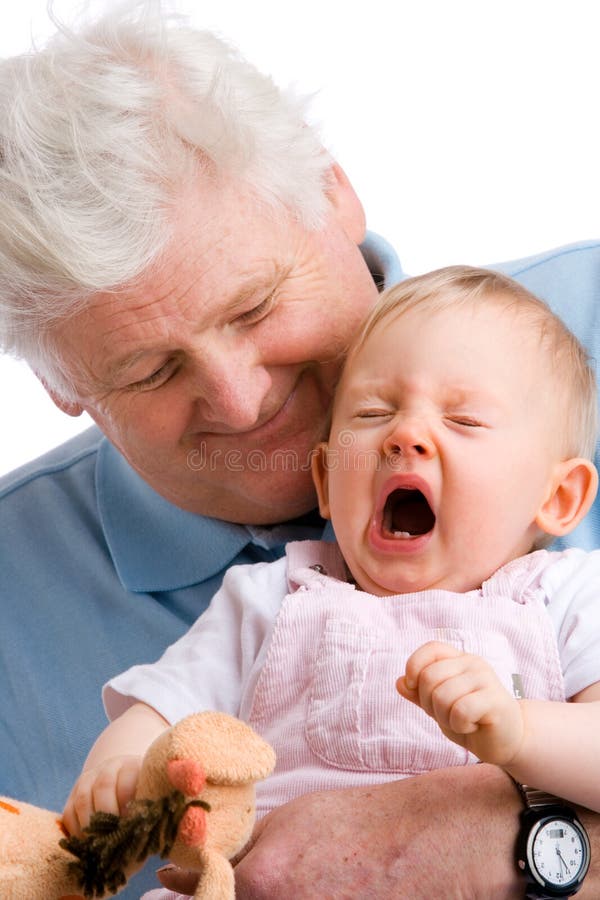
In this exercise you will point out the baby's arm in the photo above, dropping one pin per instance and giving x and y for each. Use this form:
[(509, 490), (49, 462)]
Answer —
[(110, 773), (553, 746)]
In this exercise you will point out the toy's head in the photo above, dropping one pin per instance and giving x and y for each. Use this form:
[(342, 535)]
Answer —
[(217, 759), (194, 803)]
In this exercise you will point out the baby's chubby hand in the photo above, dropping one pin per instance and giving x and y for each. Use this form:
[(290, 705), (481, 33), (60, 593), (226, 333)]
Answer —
[(107, 787), (465, 697)]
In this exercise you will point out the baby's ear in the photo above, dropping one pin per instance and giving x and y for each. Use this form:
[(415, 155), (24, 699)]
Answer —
[(320, 475), (573, 490)]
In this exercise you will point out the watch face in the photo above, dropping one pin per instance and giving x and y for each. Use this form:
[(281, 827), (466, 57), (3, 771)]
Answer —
[(558, 853)]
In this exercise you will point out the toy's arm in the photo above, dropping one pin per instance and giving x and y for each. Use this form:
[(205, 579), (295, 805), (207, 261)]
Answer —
[(111, 770), (216, 880)]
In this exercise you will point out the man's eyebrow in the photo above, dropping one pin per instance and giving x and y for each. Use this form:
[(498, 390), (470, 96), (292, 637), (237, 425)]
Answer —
[(254, 285), (122, 365)]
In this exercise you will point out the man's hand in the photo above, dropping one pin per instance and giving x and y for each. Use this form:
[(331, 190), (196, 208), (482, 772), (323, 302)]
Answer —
[(108, 787), (449, 833), (466, 698)]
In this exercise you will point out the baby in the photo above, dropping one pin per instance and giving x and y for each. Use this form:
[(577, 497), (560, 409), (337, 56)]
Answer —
[(460, 445)]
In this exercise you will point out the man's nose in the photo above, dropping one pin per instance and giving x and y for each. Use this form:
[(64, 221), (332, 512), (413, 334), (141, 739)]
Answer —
[(409, 437), (229, 385)]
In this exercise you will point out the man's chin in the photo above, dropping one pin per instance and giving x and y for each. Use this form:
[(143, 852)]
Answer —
[(243, 501)]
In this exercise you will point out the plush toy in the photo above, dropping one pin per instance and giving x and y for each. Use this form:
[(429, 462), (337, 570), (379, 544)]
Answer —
[(194, 803)]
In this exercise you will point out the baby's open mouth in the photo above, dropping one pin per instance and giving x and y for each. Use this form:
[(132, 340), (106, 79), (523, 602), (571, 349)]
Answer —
[(406, 514)]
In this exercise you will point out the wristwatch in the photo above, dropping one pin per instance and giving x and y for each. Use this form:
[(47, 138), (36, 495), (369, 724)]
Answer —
[(553, 850)]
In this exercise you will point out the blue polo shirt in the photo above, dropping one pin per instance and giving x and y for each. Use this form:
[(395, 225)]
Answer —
[(98, 572)]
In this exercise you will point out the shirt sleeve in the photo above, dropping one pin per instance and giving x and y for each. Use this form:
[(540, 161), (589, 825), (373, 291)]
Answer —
[(209, 667), (572, 587)]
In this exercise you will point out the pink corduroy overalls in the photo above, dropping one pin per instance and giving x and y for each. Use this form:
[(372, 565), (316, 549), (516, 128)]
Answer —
[(326, 697)]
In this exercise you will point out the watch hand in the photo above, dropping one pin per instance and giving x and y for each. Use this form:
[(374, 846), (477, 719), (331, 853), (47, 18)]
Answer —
[(560, 856)]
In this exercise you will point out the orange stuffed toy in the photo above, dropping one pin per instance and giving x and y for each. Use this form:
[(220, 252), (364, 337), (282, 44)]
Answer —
[(194, 803)]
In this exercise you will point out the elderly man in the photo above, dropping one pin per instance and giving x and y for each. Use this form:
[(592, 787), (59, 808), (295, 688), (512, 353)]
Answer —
[(180, 258)]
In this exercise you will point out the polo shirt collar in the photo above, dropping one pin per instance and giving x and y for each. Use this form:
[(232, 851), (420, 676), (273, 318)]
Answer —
[(155, 546), (382, 260)]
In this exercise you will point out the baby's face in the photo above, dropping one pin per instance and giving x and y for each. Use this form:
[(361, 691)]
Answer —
[(441, 450)]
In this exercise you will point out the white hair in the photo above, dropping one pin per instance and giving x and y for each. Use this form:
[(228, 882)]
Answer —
[(99, 131)]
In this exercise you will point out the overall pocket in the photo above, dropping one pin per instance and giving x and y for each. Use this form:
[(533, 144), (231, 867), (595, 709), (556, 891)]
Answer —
[(356, 719)]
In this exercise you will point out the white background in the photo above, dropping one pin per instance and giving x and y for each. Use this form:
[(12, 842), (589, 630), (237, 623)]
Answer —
[(470, 129)]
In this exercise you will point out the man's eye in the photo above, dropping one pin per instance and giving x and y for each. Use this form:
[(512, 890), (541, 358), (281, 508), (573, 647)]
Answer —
[(257, 312), (160, 376)]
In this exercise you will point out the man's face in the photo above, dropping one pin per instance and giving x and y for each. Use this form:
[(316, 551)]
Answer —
[(441, 450), (214, 374)]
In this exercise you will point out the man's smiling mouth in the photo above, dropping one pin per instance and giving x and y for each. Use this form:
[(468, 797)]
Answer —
[(406, 514)]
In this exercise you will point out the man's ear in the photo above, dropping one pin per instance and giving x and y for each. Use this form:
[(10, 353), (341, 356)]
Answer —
[(320, 474), (70, 407), (573, 491), (347, 207)]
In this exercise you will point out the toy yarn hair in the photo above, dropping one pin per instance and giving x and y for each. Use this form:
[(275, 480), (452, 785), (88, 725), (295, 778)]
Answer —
[(112, 845)]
